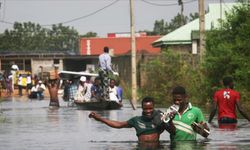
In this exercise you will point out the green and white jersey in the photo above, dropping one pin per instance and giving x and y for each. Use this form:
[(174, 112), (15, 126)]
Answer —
[(183, 123)]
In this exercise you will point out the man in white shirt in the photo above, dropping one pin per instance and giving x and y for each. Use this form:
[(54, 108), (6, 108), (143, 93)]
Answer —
[(81, 89), (14, 68), (113, 91), (40, 89)]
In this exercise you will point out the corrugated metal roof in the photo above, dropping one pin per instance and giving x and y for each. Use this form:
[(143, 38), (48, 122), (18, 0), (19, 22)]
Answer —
[(184, 33)]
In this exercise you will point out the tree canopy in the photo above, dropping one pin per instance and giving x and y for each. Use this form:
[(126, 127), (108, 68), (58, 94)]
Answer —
[(29, 36)]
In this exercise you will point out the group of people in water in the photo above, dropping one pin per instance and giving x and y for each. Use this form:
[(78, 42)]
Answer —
[(186, 121)]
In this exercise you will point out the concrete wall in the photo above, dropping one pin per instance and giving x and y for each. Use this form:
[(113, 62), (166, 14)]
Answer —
[(46, 64)]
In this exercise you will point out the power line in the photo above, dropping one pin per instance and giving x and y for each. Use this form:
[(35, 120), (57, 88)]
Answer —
[(75, 19), (85, 16), (170, 4)]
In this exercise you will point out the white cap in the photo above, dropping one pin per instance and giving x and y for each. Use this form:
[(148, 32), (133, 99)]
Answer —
[(40, 81), (83, 78)]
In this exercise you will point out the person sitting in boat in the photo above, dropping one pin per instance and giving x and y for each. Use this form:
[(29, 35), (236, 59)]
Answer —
[(72, 90), (96, 90), (113, 96), (119, 91), (81, 90), (87, 96)]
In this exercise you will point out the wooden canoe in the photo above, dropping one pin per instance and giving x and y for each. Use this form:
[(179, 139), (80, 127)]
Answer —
[(102, 105)]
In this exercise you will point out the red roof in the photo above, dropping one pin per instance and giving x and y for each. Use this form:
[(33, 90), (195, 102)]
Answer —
[(117, 45)]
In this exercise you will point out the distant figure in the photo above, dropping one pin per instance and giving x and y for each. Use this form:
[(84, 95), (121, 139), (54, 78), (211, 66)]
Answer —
[(9, 89), (40, 89), (53, 87), (105, 60), (226, 100), (81, 90), (20, 85), (29, 83), (66, 84), (33, 92), (113, 95), (72, 90), (14, 68), (96, 90), (119, 92), (105, 70), (87, 96)]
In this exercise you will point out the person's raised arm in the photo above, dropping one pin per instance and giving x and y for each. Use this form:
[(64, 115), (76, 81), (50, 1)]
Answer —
[(241, 110), (111, 123), (213, 112)]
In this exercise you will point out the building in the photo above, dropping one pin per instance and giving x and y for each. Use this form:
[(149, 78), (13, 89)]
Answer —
[(186, 38), (119, 44)]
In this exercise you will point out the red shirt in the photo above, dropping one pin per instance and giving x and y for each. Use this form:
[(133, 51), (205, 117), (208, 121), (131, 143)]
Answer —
[(226, 100)]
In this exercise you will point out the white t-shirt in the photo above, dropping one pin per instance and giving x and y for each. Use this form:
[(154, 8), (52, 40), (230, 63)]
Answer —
[(113, 94)]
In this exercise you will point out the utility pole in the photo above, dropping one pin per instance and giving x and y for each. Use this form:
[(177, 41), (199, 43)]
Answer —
[(133, 56), (220, 9), (180, 2), (202, 29)]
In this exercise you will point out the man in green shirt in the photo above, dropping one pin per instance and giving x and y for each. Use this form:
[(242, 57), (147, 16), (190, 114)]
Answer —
[(186, 117), (146, 129)]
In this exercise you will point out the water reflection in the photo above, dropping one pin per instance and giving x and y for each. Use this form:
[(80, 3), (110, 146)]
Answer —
[(32, 125)]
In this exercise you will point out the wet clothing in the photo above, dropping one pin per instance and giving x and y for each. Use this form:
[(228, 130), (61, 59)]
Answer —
[(227, 120), (184, 131), (144, 126), (226, 100)]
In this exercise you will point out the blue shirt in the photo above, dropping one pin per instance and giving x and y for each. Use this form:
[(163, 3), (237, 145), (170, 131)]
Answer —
[(97, 90), (105, 62)]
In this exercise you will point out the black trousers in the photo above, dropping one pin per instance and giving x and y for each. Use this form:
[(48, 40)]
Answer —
[(227, 120)]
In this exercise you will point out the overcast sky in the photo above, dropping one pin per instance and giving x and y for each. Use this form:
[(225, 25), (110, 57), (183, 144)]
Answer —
[(100, 16)]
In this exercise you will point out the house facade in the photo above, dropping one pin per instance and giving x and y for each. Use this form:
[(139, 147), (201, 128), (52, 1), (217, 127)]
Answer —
[(186, 38)]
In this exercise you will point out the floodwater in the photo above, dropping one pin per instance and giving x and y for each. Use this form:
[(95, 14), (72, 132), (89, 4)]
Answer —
[(31, 125)]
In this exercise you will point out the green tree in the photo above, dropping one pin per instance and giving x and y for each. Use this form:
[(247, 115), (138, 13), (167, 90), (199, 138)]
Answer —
[(89, 34), (28, 36), (228, 51), (167, 71)]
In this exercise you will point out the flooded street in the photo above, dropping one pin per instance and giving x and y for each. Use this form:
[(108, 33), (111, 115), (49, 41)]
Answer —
[(32, 125)]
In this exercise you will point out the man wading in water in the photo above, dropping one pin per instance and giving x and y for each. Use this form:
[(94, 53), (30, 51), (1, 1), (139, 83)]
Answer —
[(147, 131), (53, 87)]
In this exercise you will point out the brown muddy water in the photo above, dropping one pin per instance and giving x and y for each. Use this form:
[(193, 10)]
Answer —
[(31, 125)]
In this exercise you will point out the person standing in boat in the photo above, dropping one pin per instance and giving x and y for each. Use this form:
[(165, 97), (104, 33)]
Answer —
[(105, 70), (226, 100)]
